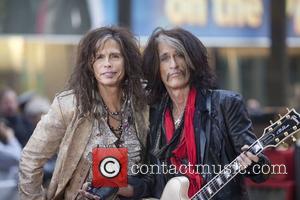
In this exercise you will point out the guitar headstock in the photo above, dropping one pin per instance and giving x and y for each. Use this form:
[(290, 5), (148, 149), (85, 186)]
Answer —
[(282, 129)]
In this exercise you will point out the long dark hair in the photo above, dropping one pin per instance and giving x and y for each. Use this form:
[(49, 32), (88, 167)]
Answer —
[(83, 82), (195, 53)]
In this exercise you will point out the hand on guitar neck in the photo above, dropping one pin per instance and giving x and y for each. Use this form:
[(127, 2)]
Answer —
[(246, 158)]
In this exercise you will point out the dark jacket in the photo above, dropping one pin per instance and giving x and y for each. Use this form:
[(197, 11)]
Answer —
[(222, 126)]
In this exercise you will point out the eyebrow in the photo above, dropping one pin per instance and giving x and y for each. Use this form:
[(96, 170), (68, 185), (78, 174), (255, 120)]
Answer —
[(116, 53), (163, 54), (112, 52)]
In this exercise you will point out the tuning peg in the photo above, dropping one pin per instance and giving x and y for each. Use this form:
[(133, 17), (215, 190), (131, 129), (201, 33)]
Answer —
[(271, 122), (279, 115), (294, 139), (288, 109)]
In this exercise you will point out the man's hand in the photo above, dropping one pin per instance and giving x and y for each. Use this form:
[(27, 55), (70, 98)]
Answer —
[(89, 192), (245, 159), (84, 192)]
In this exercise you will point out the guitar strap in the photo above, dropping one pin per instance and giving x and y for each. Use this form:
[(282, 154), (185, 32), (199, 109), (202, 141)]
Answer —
[(208, 125), (208, 130), (230, 153), (228, 145)]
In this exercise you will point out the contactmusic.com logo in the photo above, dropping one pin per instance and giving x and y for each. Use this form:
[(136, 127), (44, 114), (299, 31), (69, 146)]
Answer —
[(110, 167)]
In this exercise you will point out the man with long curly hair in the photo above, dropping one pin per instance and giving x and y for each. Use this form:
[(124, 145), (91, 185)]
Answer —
[(104, 106)]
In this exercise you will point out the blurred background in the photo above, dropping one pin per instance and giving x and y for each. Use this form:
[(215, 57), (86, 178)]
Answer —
[(254, 46)]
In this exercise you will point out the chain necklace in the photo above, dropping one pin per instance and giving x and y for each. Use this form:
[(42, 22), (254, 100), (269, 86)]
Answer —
[(115, 115), (118, 129), (110, 112), (118, 117), (177, 122)]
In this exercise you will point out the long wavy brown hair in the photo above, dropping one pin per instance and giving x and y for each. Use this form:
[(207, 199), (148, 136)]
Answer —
[(195, 55), (83, 82)]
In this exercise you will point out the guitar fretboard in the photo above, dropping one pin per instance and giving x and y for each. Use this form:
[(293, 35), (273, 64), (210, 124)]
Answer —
[(225, 176)]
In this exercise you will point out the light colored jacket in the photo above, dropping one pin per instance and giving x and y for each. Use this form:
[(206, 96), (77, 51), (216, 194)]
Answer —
[(60, 130)]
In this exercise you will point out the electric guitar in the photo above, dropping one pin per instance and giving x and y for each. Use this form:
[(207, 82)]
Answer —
[(273, 135)]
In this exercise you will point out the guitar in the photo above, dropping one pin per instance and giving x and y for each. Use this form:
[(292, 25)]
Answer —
[(273, 135)]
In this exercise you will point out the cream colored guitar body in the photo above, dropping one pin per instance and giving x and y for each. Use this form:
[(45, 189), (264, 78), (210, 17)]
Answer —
[(176, 189)]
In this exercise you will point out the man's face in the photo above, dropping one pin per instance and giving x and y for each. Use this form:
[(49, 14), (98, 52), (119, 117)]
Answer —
[(108, 66), (174, 71), (9, 104)]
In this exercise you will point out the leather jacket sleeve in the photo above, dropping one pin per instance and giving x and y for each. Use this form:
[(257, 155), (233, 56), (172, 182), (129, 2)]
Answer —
[(239, 128)]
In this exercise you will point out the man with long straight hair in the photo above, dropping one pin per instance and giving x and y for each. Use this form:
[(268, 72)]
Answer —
[(190, 121)]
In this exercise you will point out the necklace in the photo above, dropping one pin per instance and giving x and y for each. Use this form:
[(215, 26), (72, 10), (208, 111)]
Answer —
[(115, 115), (110, 112), (118, 129), (177, 122)]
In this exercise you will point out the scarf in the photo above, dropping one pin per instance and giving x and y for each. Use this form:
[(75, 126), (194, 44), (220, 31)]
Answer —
[(186, 148)]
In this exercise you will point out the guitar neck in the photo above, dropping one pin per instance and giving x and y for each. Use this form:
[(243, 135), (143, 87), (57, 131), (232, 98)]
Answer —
[(225, 176), (277, 132)]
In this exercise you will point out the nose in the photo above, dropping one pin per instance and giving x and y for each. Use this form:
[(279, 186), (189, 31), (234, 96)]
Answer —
[(173, 63), (107, 63)]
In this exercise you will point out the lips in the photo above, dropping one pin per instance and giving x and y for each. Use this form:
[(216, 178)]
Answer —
[(108, 74), (174, 74)]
